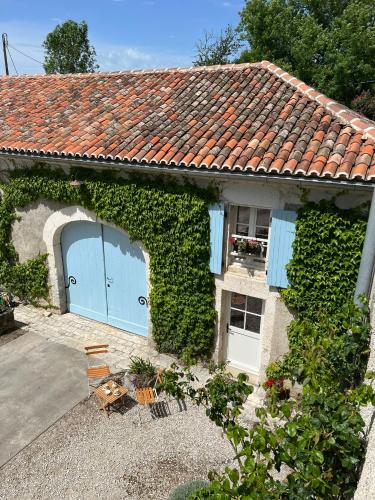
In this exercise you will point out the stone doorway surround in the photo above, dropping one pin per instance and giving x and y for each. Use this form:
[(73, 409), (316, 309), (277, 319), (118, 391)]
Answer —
[(52, 238)]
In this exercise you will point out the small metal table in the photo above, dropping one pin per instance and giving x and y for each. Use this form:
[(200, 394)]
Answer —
[(108, 399)]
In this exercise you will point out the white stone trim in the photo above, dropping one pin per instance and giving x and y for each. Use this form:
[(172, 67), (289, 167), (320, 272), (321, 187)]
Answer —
[(52, 238)]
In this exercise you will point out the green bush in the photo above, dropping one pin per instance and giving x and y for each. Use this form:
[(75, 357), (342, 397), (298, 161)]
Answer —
[(187, 490), (28, 280), (140, 366)]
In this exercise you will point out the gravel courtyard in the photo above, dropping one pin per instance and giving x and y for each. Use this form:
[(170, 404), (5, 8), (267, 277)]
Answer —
[(86, 455)]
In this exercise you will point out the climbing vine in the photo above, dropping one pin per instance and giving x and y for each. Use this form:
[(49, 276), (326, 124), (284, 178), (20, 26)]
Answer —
[(322, 275), (326, 256), (172, 222)]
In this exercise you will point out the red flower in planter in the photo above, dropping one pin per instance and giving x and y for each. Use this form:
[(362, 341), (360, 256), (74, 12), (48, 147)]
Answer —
[(270, 382), (232, 240)]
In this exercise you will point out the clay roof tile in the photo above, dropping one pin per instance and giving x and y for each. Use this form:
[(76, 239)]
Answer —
[(251, 117)]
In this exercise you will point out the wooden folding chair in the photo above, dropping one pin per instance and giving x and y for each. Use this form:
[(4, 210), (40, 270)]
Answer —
[(148, 396), (97, 371)]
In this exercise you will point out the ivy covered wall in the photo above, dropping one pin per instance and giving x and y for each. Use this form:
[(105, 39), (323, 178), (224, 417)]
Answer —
[(326, 255), (170, 219)]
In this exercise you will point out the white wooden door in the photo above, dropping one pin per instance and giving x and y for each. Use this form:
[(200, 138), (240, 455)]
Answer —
[(245, 324)]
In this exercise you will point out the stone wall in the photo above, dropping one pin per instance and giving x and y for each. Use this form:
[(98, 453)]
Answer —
[(27, 231), (31, 232)]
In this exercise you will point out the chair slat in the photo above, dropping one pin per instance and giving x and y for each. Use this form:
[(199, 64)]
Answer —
[(97, 371), (99, 346), (145, 396), (100, 351)]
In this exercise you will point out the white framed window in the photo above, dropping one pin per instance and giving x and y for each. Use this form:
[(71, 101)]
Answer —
[(253, 222), (246, 313)]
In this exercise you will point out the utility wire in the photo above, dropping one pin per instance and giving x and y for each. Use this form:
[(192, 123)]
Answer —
[(11, 58), (26, 55)]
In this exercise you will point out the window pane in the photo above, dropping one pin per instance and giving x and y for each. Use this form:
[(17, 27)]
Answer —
[(242, 229), (243, 215), (254, 305), (238, 301), (252, 323), (263, 217), (237, 318), (261, 232)]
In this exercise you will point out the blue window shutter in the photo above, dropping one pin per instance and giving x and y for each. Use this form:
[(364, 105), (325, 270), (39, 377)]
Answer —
[(280, 253), (216, 212)]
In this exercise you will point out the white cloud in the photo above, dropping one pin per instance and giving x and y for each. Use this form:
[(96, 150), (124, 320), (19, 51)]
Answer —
[(117, 57), (112, 58)]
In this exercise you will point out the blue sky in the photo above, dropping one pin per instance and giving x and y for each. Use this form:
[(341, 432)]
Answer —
[(127, 34)]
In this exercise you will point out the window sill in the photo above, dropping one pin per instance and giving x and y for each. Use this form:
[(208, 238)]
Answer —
[(248, 261), (246, 271)]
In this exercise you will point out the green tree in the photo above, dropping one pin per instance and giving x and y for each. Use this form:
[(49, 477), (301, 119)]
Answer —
[(68, 49), (330, 44), (217, 49)]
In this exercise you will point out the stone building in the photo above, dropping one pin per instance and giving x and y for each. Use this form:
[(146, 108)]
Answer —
[(259, 135)]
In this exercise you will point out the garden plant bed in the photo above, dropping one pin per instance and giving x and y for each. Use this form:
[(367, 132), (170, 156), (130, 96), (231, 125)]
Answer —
[(87, 455), (6, 320)]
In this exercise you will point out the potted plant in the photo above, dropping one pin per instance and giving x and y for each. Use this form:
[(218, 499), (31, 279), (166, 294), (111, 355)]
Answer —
[(253, 247), (234, 243), (143, 373), (6, 312), (242, 246)]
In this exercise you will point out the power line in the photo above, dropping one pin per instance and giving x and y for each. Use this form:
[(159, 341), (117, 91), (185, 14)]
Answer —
[(26, 55), (11, 58)]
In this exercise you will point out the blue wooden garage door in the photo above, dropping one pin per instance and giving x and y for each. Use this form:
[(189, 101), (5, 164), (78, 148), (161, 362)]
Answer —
[(106, 276)]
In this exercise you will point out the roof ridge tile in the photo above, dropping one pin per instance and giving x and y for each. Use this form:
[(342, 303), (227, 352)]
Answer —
[(366, 126)]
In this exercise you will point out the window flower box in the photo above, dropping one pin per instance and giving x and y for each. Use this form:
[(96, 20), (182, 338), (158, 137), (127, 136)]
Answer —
[(246, 246)]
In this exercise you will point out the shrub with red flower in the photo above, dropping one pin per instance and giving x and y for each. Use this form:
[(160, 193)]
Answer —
[(279, 387)]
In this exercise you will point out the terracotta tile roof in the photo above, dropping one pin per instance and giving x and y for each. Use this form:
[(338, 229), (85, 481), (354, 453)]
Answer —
[(253, 118)]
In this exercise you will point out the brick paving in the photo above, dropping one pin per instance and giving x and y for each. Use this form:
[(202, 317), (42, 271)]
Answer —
[(77, 332)]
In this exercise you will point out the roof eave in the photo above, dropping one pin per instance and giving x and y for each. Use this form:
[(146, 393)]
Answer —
[(189, 170)]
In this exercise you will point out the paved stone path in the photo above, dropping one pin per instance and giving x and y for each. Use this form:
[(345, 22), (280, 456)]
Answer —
[(77, 332)]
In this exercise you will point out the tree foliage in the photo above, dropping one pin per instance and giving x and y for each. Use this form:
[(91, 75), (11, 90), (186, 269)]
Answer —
[(365, 103), (217, 49), (68, 49), (329, 44)]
